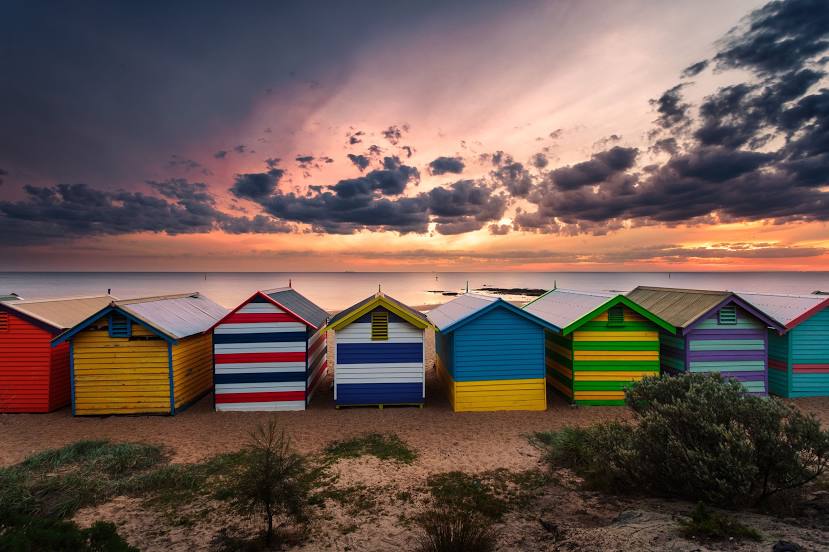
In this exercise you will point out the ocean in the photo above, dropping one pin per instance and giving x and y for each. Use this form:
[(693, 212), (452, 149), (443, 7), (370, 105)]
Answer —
[(337, 290)]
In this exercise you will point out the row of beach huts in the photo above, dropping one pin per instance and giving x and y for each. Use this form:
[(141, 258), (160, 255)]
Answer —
[(158, 355)]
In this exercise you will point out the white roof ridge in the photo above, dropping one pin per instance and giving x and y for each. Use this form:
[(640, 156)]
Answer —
[(816, 296), (58, 299), (135, 300)]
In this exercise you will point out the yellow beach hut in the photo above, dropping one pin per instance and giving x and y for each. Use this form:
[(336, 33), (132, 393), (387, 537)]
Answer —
[(142, 356)]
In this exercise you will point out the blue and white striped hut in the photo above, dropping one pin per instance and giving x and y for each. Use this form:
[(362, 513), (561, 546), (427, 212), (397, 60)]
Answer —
[(379, 356), (270, 352)]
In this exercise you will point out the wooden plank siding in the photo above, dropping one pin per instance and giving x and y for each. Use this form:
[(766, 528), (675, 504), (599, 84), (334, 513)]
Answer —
[(809, 357), (371, 371), (494, 362), (780, 369), (120, 375), (192, 369), (33, 376), (597, 362), (737, 351), (266, 359)]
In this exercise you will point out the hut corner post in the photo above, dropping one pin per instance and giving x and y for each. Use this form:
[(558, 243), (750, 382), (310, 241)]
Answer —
[(170, 372)]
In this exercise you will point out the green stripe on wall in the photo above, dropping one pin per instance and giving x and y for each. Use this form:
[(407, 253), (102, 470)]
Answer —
[(616, 345), (601, 385), (734, 366), (623, 365), (727, 345), (673, 362), (628, 327)]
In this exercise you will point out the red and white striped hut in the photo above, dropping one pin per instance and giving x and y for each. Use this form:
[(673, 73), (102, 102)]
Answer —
[(269, 352)]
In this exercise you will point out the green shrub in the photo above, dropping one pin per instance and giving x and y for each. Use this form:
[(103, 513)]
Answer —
[(383, 446), (697, 437), (455, 530), (44, 534), (273, 480), (707, 524), (458, 491)]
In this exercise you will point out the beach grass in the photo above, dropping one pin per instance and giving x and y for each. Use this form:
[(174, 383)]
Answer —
[(386, 446)]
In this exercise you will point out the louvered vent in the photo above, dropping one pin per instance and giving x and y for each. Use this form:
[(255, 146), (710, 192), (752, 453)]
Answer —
[(119, 326), (727, 315), (616, 316), (379, 326), (4, 321)]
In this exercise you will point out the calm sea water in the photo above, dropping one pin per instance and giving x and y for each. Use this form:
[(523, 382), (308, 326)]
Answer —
[(337, 290)]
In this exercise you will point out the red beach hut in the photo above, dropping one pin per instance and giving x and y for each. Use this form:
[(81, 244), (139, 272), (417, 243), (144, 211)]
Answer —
[(34, 377)]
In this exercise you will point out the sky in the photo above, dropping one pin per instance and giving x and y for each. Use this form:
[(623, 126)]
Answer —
[(415, 135)]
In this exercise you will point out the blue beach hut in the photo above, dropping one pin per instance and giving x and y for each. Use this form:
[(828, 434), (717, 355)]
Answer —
[(490, 354), (379, 355), (798, 357)]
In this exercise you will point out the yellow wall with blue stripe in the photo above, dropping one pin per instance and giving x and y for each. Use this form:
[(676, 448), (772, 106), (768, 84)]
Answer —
[(114, 375), (492, 395)]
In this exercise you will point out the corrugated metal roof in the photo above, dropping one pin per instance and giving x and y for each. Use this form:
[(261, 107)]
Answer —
[(784, 308), (679, 307), (562, 307), (299, 304), (459, 308), (61, 314), (178, 316)]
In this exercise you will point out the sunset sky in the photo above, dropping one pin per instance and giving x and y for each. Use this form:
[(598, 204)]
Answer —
[(548, 135)]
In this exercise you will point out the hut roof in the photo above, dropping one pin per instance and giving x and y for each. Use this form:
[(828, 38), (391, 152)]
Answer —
[(10, 297), (349, 315), (177, 316), (172, 317), (789, 310), (453, 314), (684, 307), (569, 309), (59, 314), (680, 307), (293, 301)]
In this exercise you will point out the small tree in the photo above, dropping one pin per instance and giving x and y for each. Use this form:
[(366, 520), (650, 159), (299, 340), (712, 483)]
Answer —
[(273, 480)]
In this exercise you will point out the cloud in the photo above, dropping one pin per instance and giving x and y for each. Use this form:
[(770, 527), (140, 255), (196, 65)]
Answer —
[(255, 186), (601, 167), (513, 176), (672, 110), (221, 154), (443, 165), (695, 69), (394, 133), (776, 37), (66, 211), (355, 137), (305, 161), (178, 162), (2, 174), (360, 161), (539, 161)]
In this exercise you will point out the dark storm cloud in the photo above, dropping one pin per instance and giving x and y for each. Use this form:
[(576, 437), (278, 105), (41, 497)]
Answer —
[(254, 186), (601, 166), (2, 174), (305, 161), (723, 165), (355, 137), (78, 210), (221, 154), (394, 133), (539, 161), (671, 108), (359, 161), (777, 37), (443, 165), (513, 176), (695, 69), (376, 202)]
